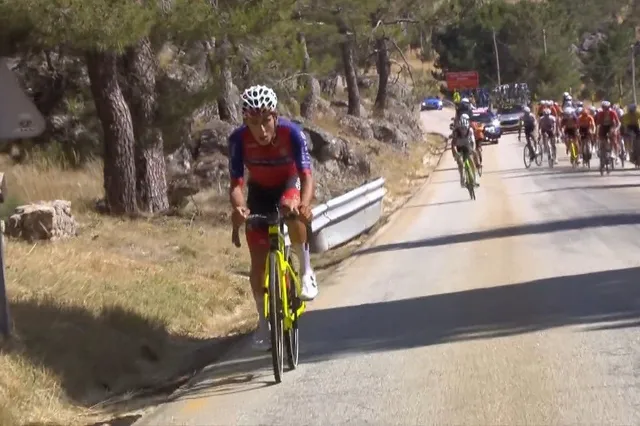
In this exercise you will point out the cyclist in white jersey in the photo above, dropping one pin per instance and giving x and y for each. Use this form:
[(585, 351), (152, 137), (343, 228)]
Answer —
[(546, 128)]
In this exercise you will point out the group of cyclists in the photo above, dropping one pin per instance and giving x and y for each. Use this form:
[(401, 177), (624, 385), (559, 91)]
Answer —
[(603, 130)]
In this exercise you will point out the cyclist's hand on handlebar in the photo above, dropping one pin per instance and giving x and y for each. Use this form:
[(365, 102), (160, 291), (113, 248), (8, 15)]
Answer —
[(290, 207), (305, 213), (239, 215)]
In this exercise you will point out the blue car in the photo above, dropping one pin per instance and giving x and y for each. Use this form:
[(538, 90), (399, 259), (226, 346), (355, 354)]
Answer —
[(431, 103)]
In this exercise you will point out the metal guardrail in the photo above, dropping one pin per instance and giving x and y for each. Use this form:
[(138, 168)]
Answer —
[(345, 217)]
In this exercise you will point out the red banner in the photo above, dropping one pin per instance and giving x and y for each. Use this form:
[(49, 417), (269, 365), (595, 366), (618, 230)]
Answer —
[(463, 80)]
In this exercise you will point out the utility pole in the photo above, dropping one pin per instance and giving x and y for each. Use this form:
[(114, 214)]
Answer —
[(633, 71), (544, 41), (495, 48)]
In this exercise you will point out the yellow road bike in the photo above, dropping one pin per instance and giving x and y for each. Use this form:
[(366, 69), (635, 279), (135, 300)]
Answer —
[(282, 287), (573, 152)]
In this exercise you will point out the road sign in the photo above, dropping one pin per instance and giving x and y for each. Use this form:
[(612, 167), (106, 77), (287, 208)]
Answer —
[(463, 80), (19, 117)]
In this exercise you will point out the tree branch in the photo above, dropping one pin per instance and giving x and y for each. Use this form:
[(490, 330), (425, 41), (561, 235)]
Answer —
[(404, 59)]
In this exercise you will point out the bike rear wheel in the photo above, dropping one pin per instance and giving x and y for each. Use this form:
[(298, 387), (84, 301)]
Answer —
[(275, 318), (526, 156), (291, 340), (539, 153)]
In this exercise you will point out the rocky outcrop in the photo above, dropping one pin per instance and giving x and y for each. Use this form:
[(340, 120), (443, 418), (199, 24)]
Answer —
[(205, 164), (44, 220)]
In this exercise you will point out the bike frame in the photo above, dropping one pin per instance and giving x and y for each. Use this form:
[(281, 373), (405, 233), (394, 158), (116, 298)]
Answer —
[(573, 146), (278, 246), (466, 162)]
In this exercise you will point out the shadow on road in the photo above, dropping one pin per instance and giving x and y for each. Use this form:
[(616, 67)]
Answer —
[(593, 298), (103, 359), (594, 173), (511, 231), (585, 188), (443, 203), (524, 173)]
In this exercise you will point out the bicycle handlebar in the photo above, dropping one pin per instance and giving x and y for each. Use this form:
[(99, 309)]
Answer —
[(259, 220)]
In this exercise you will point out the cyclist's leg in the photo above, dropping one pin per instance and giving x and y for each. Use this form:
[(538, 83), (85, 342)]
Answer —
[(635, 134), (259, 201), (290, 201), (528, 136), (469, 152), (476, 155), (458, 158), (552, 143)]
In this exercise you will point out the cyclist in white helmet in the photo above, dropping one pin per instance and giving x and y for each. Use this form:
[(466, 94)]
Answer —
[(528, 122), (463, 108), (463, 143), (546, 129), (274, 151)]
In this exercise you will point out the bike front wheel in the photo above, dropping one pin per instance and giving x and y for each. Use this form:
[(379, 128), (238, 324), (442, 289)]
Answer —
[(275, 318), (292, 335)]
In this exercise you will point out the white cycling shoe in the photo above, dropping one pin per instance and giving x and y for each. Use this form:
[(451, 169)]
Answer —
[(309, 287)]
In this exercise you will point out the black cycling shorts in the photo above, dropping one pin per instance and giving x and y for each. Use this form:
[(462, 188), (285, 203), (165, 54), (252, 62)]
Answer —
[(265, 200), (570, 133), (604, 131), (584, 132), (463, 150)]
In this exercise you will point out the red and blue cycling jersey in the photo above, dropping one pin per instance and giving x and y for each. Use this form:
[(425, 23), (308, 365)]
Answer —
[(271, 165)]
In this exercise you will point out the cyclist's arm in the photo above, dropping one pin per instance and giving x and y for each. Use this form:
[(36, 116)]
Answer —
[(236, 170), (303, 164)]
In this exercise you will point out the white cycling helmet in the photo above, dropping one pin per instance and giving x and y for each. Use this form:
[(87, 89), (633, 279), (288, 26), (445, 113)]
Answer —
[(464, 121), (527, 110), (258, 100), (579, 110), (605, 104), (568, 98), (546, 111), (464, 101)]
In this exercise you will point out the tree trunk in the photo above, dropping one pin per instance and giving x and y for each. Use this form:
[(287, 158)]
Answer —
[(309, 104), (383, 66), (226, 107), (141, 67), (114, 115), (346, 48)]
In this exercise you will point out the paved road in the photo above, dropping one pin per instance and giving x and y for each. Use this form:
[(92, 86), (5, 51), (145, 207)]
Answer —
[(519, 308)]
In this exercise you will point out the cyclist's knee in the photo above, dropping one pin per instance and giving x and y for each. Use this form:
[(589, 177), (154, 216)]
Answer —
[(297, 230)]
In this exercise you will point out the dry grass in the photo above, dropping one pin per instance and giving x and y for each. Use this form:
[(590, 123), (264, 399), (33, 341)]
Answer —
[(115, 309), (125, 305)]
